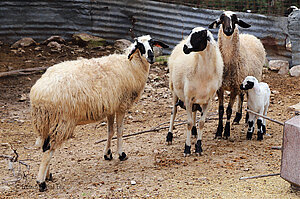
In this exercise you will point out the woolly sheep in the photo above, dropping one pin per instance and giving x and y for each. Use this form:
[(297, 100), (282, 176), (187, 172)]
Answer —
[(258, 101), (243, 55), (88, 90), (196, 69)]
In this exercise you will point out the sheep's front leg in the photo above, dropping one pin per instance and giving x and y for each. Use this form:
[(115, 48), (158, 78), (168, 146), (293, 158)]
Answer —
[(187, 147), (238, 115), (173, 115), (43, 170), (228, 114), (194, 129), (110, 133), (198, 145), (220, 93), (251, 123), (120, 128)]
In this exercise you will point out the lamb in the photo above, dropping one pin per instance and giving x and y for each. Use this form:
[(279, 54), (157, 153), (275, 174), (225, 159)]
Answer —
[(258, 101), (243, 55), (196, 69), (84, 91)]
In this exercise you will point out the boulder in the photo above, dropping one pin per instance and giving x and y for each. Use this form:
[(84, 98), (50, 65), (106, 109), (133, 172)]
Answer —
[(55, 38), (295, 71), (157, 51), (24, 42), (295, 107), (84, 39), (275, 65), (284, 69), (54, 46), (121, 45)]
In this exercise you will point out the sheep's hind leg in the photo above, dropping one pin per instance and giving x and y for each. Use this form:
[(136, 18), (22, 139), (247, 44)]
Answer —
[(194, 129), (173, 115), (238, 115), (110, 133), (43, 170), (198, 145), (260, 128), (219, 132), (187, 147), (119, 119), (251, 122)]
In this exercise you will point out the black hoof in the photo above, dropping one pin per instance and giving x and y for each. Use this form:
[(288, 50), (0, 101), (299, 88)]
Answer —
[(260, 136), (108, 156), (187, 150), (169, 138), (50, 178), (194, 131), (123, 156), (181, 104), (249, 135), (198, 147), (237, 118), (219, 131), (227, 130), (42, 186)]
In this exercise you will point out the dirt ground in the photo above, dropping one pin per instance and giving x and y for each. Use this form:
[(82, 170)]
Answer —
[(153, 170)]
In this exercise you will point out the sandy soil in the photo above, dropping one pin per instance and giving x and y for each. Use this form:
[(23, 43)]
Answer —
[(153, 170)]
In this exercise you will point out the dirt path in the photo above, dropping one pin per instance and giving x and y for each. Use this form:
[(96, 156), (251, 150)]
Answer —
[(159, 171)]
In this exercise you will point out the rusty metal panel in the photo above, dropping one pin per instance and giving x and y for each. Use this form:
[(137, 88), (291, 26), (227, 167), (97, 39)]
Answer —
[(114, 19), (290, 160), (294, 33)]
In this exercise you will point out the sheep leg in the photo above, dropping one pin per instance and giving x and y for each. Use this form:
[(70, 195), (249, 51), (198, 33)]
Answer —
[(260, 128), (173, 115), (264, 120), (187, 147), (198, 145), (238, 115), (228, 114), (194, 129), (251, 123), (220, 93), (49, 176), (110, 134), (44, 167), (120, 128)]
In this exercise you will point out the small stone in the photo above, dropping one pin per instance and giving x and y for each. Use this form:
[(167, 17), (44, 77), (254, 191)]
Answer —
[(23, 98), (130, 117), (4, 189), (132, 182), (295, 71), (157, 51), (284, 69), (84, 39), (275, 65), (275, 92), (54, 46), (55, 38), (24, 42)]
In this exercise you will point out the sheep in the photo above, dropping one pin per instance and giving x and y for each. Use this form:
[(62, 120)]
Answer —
[(258, 101), (243, 55), (196, 69), (79, 92)]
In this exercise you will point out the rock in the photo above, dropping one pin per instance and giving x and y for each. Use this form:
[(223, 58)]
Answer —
[(295, 107), (132, 182), (84, 39), (121, 45), (275, 65), (55, 47), (23, 98), (157, 51), (24, 42), (284, 69), (55, 38), (4, 189), (38, 48), (295, 71)]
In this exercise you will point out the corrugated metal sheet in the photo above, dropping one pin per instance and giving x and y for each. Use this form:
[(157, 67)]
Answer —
[(113, 19), (294, 31)]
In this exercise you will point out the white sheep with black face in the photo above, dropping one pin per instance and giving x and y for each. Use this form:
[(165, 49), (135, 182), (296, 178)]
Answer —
[(196, 69), (243, 55), (258, 101), (83, 91)]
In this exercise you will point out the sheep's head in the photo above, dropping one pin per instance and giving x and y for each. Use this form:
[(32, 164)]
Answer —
[(228, 20), (197, 40), (145, 46), (248, 83)]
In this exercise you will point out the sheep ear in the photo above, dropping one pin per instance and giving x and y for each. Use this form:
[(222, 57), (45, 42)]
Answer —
[(132, 52), (159, 44), (214, 24), (243, 24)]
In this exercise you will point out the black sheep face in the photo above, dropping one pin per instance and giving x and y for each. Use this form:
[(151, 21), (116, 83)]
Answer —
[(197, 40)]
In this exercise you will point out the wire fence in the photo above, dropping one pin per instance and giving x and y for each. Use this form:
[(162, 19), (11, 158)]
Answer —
[(267, 7)]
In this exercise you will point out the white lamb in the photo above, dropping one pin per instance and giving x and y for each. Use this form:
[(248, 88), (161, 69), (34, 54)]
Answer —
[(243, 55), (88, 90), (196, 69), (258, 101)]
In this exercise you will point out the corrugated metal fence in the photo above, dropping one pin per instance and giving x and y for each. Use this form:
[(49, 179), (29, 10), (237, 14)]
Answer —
[(113, 19)]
